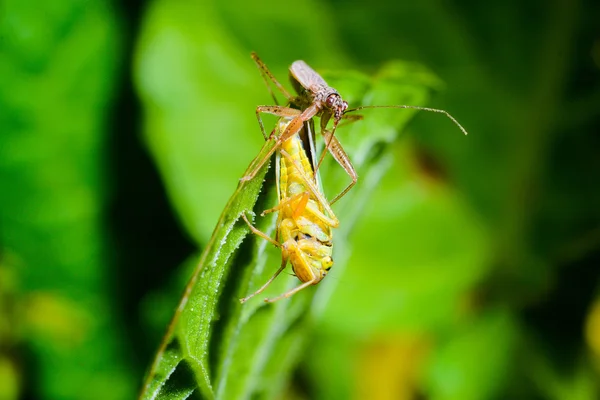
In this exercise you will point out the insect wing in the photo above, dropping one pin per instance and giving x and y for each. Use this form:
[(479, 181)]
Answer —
[(311, 152), (305, 75), (281, 125), (278, 175)]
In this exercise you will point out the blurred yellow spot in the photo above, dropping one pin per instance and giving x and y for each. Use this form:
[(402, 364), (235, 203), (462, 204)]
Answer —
[(56, 318), (9, 379), (592, 328), (389, 367)]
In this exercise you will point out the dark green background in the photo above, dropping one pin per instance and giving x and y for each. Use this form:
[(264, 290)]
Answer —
[(124, 128)]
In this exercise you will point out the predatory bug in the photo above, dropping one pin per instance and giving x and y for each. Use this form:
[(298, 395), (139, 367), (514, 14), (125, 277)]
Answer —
[(305, 219), (316, 98)]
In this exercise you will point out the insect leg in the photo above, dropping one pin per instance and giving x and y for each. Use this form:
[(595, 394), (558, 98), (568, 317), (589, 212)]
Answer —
[(332, 220), (293, 291), (267, 75), (263, 287), (283, 203), (274, 110), (301, 206), (338, 153), (292, 128), (333, 146), (348, 119), (260, 233), (279, 111)]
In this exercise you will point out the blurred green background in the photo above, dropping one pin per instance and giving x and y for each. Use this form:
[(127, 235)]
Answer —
[(474, 272)]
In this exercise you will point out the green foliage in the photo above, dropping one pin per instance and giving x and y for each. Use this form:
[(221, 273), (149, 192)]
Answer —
[(465, 268), (57, 62)]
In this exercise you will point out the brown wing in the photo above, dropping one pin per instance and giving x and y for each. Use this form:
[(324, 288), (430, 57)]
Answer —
[(305, 75)]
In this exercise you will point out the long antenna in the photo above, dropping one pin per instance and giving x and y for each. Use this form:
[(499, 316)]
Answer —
[(446, 113)]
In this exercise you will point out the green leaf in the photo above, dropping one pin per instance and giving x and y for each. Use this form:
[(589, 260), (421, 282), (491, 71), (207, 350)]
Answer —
[(58, 63), (473, 363)]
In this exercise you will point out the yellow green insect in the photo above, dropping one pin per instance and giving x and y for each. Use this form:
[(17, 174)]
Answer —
[(305, 220)]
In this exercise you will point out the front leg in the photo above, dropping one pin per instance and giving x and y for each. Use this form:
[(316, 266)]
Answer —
[(283, 112)]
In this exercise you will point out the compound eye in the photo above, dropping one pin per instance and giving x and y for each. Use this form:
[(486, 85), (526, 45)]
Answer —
[(330, 100), (328, 263)]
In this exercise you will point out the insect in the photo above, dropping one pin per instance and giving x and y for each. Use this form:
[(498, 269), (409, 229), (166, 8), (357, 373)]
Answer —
[(305, 219), (316, 99)]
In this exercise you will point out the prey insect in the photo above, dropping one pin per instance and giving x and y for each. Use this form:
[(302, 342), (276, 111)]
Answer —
[(305, 220), (317, 99)]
